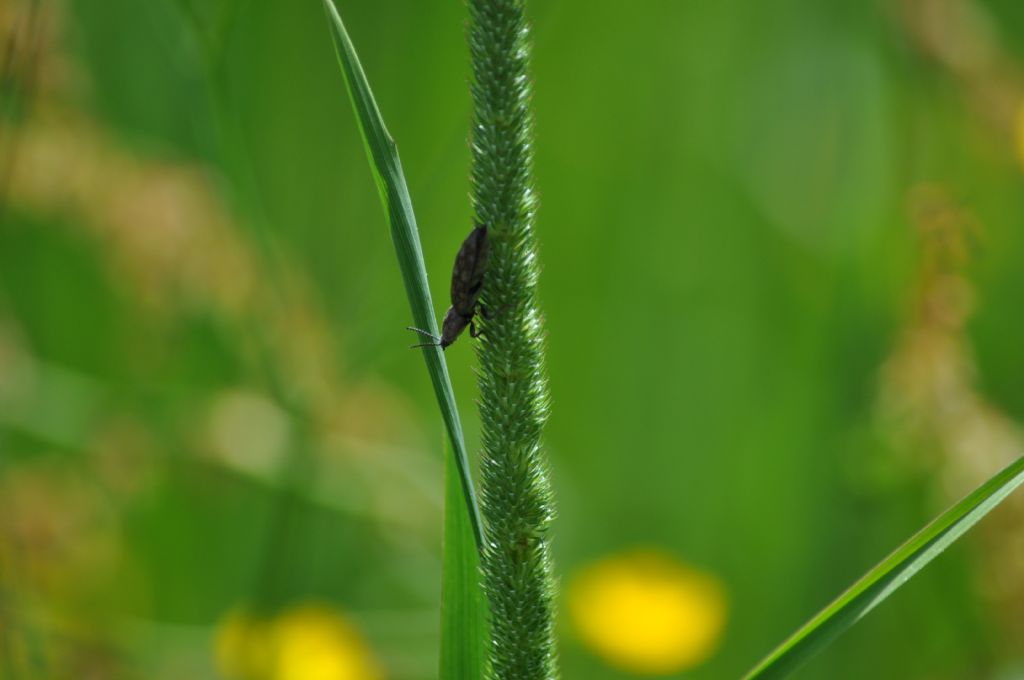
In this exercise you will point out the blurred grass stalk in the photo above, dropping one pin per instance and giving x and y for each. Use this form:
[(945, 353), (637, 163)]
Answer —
[(517, 501)]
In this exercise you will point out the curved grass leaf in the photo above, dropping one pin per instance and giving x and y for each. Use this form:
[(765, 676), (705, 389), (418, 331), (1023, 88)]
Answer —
[(387, 173), (463, 635), (890, 574)]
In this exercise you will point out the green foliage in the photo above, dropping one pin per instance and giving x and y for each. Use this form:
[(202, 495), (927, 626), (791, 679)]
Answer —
[(891, 573), (517, 503), (747, 212)]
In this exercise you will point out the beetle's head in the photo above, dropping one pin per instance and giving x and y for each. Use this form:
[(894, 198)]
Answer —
[(452, 327)]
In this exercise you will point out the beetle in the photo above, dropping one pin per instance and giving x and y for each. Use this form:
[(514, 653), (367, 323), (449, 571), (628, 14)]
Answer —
[(467, 282)]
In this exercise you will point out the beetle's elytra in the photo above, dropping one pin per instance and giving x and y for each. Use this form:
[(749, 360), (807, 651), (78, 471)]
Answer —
[(467, 281)]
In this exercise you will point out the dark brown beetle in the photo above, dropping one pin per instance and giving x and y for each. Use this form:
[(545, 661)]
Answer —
[(467, 281)]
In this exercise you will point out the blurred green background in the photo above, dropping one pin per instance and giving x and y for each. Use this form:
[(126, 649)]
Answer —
[(782, 249)]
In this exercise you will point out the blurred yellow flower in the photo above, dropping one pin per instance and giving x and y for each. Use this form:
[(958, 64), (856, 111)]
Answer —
[(646, 612), (314, 643), (309, 642)]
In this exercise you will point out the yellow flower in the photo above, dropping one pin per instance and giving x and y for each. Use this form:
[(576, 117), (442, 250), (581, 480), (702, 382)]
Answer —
[(309, 642), (645, 612), (314, 643)]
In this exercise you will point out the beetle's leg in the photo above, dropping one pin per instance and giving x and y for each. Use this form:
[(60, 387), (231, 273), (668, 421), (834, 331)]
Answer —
[(483, 312), (473, 331)]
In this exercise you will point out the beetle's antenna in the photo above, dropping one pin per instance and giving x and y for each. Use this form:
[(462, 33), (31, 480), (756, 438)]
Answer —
[(423, 332), (437, 340)]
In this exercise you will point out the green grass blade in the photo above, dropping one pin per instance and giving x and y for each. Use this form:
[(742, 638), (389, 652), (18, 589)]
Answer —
[(463, 620), (890, 574), (387, 172)]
